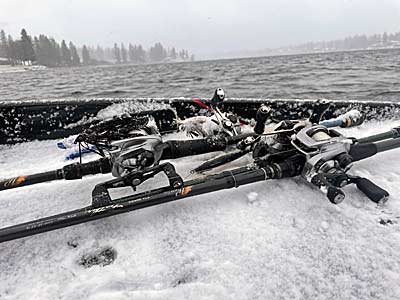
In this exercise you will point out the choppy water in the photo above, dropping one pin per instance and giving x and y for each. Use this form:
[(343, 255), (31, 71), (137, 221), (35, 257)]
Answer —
[(364, 75)]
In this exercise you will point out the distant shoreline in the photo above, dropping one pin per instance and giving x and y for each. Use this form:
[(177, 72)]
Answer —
[(11, 69), (277, 54), (18, 68), (21, 68)]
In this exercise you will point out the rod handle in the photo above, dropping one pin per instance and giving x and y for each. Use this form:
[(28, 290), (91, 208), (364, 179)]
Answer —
[(371, 190), (77, 171), (362, 151), (181, 148)]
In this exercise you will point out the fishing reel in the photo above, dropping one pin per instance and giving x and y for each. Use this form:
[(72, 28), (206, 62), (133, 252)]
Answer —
[(328, 160), (133, 161), (228, 124), (135, 153), (119, 127), (103, 136), (268, 147), (140, 148), (215, 123), (274, 145)]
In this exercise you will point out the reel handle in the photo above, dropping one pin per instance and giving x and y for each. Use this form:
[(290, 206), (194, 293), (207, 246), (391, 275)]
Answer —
[(334, 194), (218, 98), (371, 190), (319, 109), (261, 117)]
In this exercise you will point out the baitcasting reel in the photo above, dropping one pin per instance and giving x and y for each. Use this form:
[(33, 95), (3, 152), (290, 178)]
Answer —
[(141, 148), (327, 162), (216, 123)]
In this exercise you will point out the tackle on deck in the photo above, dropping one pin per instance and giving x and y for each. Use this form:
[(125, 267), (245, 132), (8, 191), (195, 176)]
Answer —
[(310, 147)]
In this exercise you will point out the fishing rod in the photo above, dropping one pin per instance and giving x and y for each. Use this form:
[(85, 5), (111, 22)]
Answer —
[(320, 155), (100, 133), (147, 150), (136, 136), (280, 133), (143, 144)]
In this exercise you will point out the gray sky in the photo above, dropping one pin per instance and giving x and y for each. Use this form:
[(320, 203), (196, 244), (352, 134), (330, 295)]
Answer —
[(205, 27)]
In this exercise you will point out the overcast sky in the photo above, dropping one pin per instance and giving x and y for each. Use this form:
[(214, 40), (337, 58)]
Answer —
[(204, 26)]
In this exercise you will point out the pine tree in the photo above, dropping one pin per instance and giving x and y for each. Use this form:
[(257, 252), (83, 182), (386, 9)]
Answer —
[(182, 54), (141, 54), (74, 55), (55, 53), (157, 53), (4, 51), (27, 54), (173, 54), (41, 46), (66, 58), (92, 54), (131, 53), (124, 54), (137, 54), (12, 48), (100, 53), (45, 52), (85, 56), (117, 53), (384, 38)]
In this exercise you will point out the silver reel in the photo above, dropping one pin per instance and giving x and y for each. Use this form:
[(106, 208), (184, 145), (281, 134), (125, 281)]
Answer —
[(327, 159), (141, 151)]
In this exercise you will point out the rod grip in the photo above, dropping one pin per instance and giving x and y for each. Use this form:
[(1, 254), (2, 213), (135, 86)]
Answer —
[(362, 151), (77, 171), (371, 190), (102, 165), (176, 148)]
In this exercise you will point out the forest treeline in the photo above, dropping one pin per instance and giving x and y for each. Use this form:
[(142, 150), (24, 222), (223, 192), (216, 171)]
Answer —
[(375, 41), (46, 51)]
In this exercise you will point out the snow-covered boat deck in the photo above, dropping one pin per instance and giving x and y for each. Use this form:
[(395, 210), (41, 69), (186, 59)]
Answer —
[(270, 240)]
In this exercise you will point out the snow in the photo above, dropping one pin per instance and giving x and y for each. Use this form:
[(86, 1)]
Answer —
[(269, 240)]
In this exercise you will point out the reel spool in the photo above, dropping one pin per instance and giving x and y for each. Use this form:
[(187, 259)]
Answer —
[(135, 153)]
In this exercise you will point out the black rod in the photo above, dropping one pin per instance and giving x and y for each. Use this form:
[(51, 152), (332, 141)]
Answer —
[(387, 145), (128, 204), (393, 133), (68, 172), (226, 180)]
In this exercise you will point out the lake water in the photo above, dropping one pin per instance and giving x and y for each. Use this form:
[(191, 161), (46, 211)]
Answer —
[(361, 75)]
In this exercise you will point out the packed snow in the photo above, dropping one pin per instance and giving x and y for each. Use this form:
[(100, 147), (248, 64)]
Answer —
[(269, 240)]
